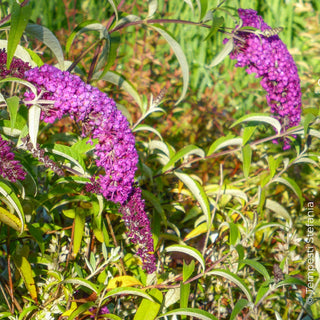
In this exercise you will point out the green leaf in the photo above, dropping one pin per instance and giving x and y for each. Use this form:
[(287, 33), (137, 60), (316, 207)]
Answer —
[(22, 264), (47, 37), (19, 21), (293, 186), (233, 278), (223, 53), (152, 7), (34, 122), (187, 270), (126, 290), (223, 142), (184, 295), (217, 22), (145, 127), (247, 133), (191, 312), (148, 310), (121, 82), (307, 120), (114, 7), (175, 46), (259, 117), (79, 222), (91, 25), (189, 251), (257, 266), (12, 199), (203, 7), (81, 282), (263, 289), (246, 160), (234, 233), (81, 309), (184, 153), (10, 219), (278, 209), (290, 281), (198, 192), (241, 304), (13, 106)]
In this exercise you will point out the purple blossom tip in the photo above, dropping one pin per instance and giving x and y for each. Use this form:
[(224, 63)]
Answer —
[(9, 168), (270, 59)]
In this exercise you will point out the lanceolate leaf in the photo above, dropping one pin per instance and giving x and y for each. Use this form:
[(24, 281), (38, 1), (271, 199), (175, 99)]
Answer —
[(13, 106), (82, 282), (47, 37), (175, 46), (24, 267), (79, 221), (33, 122), (242, 303), (198, 192), (19, 20), (183, 153), (152, 7), (223, 142), (246, 160), (257, 266), (189, 251), (10, 219), (148, 310), (127, 291), (13, 200), (121, 82), (259, 117), (293, 186), (223, 54), (233, 278), (191, 312)]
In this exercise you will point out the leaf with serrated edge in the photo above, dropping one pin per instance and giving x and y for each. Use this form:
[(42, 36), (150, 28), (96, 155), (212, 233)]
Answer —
[(189, 251)]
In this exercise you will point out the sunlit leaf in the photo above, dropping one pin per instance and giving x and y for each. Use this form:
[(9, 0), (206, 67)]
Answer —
[(191, 312), (246, 160), (152, 7), (79, 221), (148, 310), (123, 281), (189, 251), (13, 106), (223, 142), (10, 219), (223, 53), (33, 123), (175, 46)]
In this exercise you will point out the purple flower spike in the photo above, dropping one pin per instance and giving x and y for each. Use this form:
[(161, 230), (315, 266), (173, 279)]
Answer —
[(139, 231), (17, 67), (100, 118), (9, 168), (270, 59)]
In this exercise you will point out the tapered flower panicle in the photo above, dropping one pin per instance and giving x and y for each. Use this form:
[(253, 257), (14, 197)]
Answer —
[(115, 151), (139, 231), (270, 59), (100, 119), (9, 168), (17, 67)]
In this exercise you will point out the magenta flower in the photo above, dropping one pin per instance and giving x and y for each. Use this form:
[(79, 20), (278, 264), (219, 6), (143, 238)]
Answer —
[(270, 59), (17, 67), (100, 118), (115, 151), (102, 311), (9, 168)]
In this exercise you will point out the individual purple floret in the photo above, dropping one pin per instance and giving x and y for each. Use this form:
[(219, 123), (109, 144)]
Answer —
[(17, 67), (102, 311), (9, 168), (100, 118), (270, 59), (139, 231)]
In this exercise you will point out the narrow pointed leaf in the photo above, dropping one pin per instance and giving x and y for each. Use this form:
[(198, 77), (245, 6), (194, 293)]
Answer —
[(79, 221), (246, 160), (223, 142), (233, 278), (257, 266), (152, 7), (189, 251), (19, 21), (175, 46), (48, 38), (10, 219), (81, 282), (198, 192), (223, 54), (241, 304), (13, 106), (33, 123), (195, 313)]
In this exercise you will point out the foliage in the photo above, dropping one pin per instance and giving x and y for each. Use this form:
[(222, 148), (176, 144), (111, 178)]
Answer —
[(234, 217)]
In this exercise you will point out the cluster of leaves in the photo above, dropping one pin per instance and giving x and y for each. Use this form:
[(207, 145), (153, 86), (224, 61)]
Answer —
[(229, 208)]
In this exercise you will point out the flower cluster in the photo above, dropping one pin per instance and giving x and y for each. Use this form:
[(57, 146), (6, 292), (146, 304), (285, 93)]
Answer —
[(100, 118), (270, 59), (9, 168), (17, 67), (67, 94), (138, 226)]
